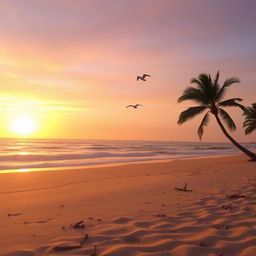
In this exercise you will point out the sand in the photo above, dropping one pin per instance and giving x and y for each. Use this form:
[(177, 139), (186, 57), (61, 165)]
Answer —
[(132, 210)]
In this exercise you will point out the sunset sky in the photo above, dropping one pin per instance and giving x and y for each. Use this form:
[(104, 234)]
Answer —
[(71, 65)]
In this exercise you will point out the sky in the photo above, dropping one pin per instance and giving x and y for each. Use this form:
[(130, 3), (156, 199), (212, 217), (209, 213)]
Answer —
[(71, 65)]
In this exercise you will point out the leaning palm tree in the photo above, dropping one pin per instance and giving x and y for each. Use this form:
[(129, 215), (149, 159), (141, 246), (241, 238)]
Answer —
[(250, 119), (209, 95)]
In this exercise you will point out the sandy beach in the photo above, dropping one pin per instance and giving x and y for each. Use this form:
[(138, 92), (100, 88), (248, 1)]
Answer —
[(132, 210), (127, 128)]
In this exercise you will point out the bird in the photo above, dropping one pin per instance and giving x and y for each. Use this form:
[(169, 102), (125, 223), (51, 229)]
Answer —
[(134, 106), (143, 77)]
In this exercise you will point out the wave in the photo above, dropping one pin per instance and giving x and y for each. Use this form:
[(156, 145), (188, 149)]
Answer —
[(36, 153), (211, 148), (58, 157), (129, 158), (93, 163)]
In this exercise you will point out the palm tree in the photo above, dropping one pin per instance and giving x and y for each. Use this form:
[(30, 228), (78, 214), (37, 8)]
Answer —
[(209, 94), (250, 119)]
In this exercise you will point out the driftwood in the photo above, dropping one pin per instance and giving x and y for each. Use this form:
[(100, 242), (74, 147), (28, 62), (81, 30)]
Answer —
[(227, 206), (86, 237), (223, 227), (184, 189), (79, 224), (159, 215), (14, 214), (235, 196), (95, 251)]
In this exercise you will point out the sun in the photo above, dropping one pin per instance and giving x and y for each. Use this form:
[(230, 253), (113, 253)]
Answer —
[(23, 125)]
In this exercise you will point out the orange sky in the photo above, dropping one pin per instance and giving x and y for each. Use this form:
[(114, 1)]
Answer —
[(72, 65)]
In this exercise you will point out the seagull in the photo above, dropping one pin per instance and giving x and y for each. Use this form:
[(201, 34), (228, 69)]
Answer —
[(134, 106), (142, 77)]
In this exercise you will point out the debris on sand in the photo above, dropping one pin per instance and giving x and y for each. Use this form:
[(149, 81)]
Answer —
[(79, 224), (85, 238), (202, 244), (223, 227), (159, 215), (227, 206), (184, 189), (235, 196), (14, 214), (95, 251)]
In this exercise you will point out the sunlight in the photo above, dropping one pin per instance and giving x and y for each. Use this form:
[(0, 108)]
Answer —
[(23, 153), (31, 117), (23, 125), (23, 170)]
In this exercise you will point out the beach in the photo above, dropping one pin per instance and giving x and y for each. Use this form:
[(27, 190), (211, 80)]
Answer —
[(132, 209), (127, 128)]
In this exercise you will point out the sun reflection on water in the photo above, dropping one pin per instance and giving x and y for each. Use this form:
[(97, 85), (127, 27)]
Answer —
[(23, 153), (23, 170)]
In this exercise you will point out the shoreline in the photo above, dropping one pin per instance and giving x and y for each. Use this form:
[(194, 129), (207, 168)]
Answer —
[(113, 164), (132, 210)]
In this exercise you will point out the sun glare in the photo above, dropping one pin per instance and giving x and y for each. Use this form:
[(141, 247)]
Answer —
[(23, 125)]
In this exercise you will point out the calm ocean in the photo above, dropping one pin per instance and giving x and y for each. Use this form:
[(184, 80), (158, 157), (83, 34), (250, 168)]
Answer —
[(44, 153)]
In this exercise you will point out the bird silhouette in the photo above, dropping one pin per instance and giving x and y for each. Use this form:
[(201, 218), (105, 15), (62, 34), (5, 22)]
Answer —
[(143, 77), (134, 106)]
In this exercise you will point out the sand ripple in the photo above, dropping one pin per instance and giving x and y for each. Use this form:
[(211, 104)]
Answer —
[(207, 228)]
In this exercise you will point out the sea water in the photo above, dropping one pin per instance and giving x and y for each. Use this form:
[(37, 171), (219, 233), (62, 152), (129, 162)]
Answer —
[(23, 154)]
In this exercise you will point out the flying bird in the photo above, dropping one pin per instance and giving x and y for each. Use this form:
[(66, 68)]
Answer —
[(134, 106), (143, 77)]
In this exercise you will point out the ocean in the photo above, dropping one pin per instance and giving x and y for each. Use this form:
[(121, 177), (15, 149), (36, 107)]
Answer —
[(25, 154)]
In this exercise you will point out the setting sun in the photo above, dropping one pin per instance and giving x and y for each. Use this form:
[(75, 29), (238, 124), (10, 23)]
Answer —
[(23, 125)]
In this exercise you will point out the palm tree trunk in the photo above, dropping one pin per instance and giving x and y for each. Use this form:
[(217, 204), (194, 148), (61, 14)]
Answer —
[(246, 151)]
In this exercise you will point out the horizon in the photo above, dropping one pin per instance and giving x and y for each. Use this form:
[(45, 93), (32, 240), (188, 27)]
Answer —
[(68, 70)]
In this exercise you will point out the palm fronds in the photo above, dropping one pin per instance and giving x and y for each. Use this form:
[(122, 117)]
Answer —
[(226, 84), (250, 119), (204, 122), (227, 119), (232, 103), (190, 113), (193, 94), (208, 94)]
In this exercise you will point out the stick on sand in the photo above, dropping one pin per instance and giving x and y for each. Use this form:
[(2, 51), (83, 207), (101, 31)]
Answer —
[(184, 189)]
